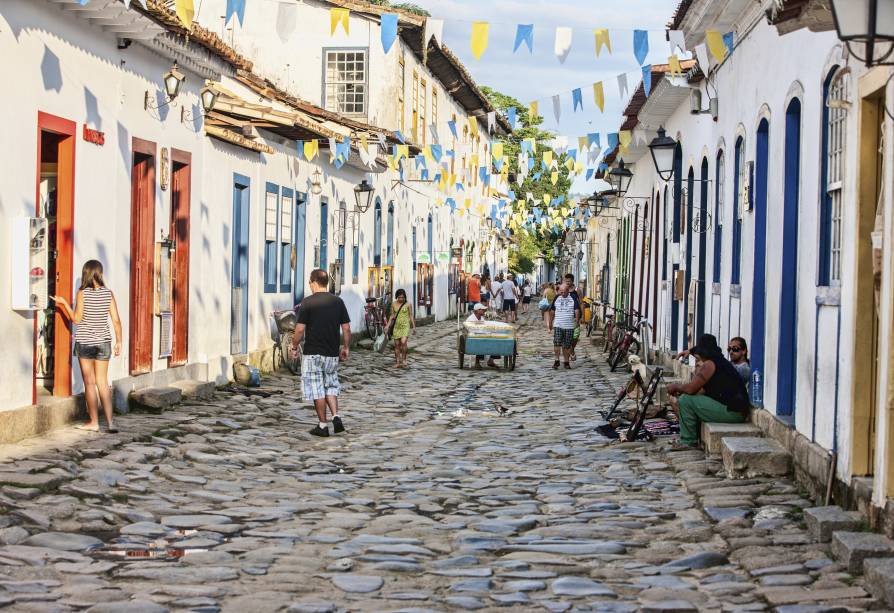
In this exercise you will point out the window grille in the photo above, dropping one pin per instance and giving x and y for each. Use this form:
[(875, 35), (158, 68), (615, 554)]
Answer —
[(423, 95), (346, 77), (837, 119)]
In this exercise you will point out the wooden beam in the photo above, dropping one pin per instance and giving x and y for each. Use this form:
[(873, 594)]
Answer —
[(237, 139)]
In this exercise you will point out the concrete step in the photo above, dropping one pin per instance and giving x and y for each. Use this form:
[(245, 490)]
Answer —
[(823, 521), (852, 548), (713, 433), (878, 575), (195, 390), (154, 399), (749, 456)]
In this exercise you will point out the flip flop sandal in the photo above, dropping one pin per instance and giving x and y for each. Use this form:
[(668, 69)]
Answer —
[(113, 430), (86, 428)]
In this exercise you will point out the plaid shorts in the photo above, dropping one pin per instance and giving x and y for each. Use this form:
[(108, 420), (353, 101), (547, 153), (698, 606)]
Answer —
[(562, 337), (319, 377)]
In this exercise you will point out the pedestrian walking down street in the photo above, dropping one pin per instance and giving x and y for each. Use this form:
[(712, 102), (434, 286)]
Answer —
[(527, 291), (473, 294), (319, 318), (569, 280), (565, 318), (510, 294), (94, 305), (401, 318), (548, 293), (485, 289)]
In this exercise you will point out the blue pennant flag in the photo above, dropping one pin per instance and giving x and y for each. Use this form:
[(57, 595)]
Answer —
[(511, 195), (499, 224), (400, 137), (424, 174), (728, 41), (482, 173), (640, 45), (603, 166), (451, 203), (589, 173), (388, 30), (512, 116), (498, 165), (560, 199), (593, 138), (537, 212), (420, 161), (299, 144), (577, 99), (524, 33), (647, 79), (236, 7), (436, 152), (526, 147), (531, 163), (572, 154), (612, 140), (452, 125), (460, 187), (536, 176), (451, 153)]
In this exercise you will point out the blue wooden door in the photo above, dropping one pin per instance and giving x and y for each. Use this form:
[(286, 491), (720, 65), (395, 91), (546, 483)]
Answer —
[(678, 205), (300, 243), (239, 290), (788, 313), (759, 302), (324, 234)]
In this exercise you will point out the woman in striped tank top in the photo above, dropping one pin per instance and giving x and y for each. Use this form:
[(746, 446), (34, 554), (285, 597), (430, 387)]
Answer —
[(93, 340)]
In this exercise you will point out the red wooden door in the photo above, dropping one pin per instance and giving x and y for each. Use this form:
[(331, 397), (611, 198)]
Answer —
[(142, 255), (64, 240), (180, 203)]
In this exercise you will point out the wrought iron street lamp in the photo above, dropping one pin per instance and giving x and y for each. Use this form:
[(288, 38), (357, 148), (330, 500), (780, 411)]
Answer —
[(662, 148), (620, 178), (316, 182), (865, 22), (209, 98), (172, 80), (363, 193), (580, 233)]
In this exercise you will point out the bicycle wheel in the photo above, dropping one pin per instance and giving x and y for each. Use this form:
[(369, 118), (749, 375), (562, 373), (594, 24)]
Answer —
[(607, 332), (634, 348), (277, 359), (619, 355), (371, 329), (293, 364)]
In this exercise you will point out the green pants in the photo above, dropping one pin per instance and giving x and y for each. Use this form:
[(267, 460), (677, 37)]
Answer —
[(695, 409)]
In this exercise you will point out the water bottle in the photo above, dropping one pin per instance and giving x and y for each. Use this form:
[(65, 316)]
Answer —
[(757, 393)]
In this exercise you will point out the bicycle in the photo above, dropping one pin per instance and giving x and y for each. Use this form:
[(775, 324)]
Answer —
[(374, 317), (282, 331), (613, 329), (629, 343)]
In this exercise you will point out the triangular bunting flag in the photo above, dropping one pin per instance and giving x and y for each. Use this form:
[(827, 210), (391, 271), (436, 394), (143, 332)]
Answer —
[(512, 116), (186, 11), (716, 45), (557, 107), (640, 45), (532, 110), (701, 52), (388, 30), (622, 85), (524, 33), (234, 7), (433, 28), (339, 16), (478, 42), (647, 79), (677, 41), (563, 43), (673, 66), (599, 96), (602, 39), (286, 21), (577, 99)]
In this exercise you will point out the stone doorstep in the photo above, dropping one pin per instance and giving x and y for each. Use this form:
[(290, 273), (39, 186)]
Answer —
[(752, 457), (878, 574), (795, 595), (823, 521), (195, 390), (36, 419), (713, 434), (852, 548), (154, 399)]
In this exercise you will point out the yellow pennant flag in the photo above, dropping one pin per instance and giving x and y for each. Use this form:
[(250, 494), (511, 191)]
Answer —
[(602, 38), (569, 164), (554, 177), (546, 199), (426, 152), (443, 185), (403, 151), (185, 10), (462, 212), (532, 109), (716, 45), (624, 138), (364, 142), (467, 204), (498, 151), (479, 209), (336, 17), (473, 161), (548, 158), (473, 126), (599, 96), (673, 66), (579, 167), (311, 148), (479, 38), (582, 143)]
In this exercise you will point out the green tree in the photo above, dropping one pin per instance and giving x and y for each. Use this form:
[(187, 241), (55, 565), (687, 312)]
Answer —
[(403, 6), (529, 127)]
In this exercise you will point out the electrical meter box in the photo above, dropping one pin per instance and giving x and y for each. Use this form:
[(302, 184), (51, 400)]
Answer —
[(29, 260)]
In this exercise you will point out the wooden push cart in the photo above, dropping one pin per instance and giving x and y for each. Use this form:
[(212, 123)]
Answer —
[(488, 338)]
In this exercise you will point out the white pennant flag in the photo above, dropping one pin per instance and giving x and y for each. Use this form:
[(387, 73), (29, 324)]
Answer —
[(433, 27), (433, 130), (557, 107), (491, 121), (676, 40), (286, 21), (382, 142), (530, 196), (563, 42), (704, 62), (371, 155), (622, 85)]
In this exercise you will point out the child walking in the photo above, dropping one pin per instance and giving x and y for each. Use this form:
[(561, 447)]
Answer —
[(402, 318), (93, 340)]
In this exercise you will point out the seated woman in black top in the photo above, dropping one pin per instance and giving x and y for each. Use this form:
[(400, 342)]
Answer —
[(716, 392)]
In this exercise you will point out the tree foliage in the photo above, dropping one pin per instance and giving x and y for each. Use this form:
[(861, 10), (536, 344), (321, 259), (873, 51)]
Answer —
[(541, 241), (403, 6)]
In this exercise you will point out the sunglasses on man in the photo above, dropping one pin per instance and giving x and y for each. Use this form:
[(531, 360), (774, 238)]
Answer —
[(733, 349)]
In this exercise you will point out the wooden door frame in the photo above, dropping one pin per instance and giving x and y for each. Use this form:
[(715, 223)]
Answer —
[(64, 246), (180, 268), (147, 148)]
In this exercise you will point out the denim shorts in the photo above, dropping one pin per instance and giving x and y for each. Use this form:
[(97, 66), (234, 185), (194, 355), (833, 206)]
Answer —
[(102, 352)]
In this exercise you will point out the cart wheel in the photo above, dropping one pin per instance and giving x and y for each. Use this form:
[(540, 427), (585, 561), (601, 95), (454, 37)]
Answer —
[(506, 363), (461, 351), (512, 360), (461, 359)]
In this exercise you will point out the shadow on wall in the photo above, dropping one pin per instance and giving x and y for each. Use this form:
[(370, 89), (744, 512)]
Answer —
[(51, 71), (94, 119), (124, 147)]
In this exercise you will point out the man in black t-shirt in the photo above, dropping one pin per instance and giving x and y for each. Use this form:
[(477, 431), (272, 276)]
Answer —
[(319, 318)]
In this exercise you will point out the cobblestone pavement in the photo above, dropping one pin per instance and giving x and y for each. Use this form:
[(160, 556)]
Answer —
[(452, 490)]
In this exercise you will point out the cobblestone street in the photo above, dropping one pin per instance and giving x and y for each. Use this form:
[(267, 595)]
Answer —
[(451, 490)]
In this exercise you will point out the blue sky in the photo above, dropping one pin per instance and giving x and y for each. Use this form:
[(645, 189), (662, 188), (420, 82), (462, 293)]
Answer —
[(540, 75)]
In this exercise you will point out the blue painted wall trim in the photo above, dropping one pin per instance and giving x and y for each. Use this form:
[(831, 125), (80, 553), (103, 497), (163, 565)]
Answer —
[(736, 269), (324, 234), (678, 202), (701, 303), (377, 234), (300, 245), (285, 248), (270, 246), (241, 220), (759, 284)]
